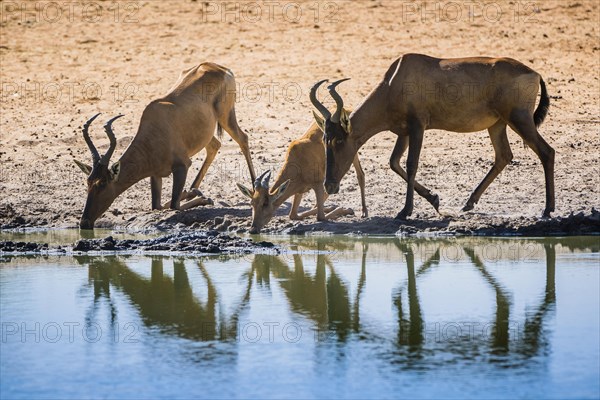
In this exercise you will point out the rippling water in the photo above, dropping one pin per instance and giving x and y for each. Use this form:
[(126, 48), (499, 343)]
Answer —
[(333, 317)]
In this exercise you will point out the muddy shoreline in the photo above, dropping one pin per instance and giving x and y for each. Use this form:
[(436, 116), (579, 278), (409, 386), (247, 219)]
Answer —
[(201, 243), (236, 220), (183, 233)]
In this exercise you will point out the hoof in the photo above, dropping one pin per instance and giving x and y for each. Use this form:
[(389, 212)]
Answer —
[(402, 216), (364, 214), (547, 213), (468, 207), (192, 194), (435, 202), (196, 193)]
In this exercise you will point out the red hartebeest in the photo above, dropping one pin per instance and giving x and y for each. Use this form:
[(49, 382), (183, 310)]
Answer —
[(419, 92), (172, 129), (303, 170)]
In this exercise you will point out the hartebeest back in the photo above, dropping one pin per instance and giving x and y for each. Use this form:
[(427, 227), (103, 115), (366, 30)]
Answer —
[(172, 129), (419, 92), (303, 170)]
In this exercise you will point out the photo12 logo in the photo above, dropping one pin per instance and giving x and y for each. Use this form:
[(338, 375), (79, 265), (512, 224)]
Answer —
[(468, 11), (28, 12), (54, 332), (269, 11), (57, 92)]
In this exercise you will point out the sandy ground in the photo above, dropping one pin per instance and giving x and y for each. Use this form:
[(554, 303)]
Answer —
[(61, 65)]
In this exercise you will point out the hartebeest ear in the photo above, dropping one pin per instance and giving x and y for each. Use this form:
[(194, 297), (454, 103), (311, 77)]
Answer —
[(247, 192), (345, 121), (320, 121), (115, 170), (281, 189), (87, 169)]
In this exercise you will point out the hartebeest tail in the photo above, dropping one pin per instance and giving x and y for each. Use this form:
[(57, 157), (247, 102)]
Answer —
[(419, 92), (303, 170), (542, 109), (172, 129)]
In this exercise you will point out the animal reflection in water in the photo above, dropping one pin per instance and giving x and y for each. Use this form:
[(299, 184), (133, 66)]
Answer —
[(167, 302), (501, 340), (321, 296)]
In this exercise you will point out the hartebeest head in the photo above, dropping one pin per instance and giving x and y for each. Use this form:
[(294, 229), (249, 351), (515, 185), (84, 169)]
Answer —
[(263, 202), (336, 130), (101, 179)]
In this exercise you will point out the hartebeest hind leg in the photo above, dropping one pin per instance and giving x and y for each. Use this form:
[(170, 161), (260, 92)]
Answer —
[(399, 149), (231, 126), (503, 157), (211, 152), (521, 121), (415, 138)]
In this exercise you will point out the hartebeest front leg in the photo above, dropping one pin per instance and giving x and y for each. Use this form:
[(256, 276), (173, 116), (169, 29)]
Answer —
[(179, 175), (332, 213), (321, 197), (155, 190), (337, 212), (503, 157), (296, 203), (415, 137), (399, 149), (360, 176)]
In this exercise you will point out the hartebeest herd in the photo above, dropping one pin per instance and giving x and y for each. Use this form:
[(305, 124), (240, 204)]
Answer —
[(416, 93)]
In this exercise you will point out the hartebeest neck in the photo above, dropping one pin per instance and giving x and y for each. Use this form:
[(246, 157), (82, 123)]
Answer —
[(371, 117), (134, 167), (288, 192)]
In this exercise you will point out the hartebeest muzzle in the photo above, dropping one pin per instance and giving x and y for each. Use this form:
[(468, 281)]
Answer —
[(332, 187)]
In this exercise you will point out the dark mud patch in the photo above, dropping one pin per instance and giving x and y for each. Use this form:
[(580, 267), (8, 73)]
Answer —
[(582, 223), (205, 242), (23, 247)]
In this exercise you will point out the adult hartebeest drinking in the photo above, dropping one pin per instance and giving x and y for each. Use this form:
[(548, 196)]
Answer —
[(303, 170), (172, 129), (419, 92)]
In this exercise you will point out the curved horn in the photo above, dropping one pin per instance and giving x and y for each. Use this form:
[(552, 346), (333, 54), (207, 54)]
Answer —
[(265, 181), (113, 140), (339, 103), (88, 140), (318, 105), (258, 181)]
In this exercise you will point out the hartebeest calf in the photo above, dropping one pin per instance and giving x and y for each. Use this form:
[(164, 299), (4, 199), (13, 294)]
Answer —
[(419, 92), (172, 129), (303, 170)]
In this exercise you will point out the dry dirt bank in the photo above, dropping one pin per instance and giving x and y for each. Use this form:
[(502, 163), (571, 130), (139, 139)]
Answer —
[(60, 66)]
